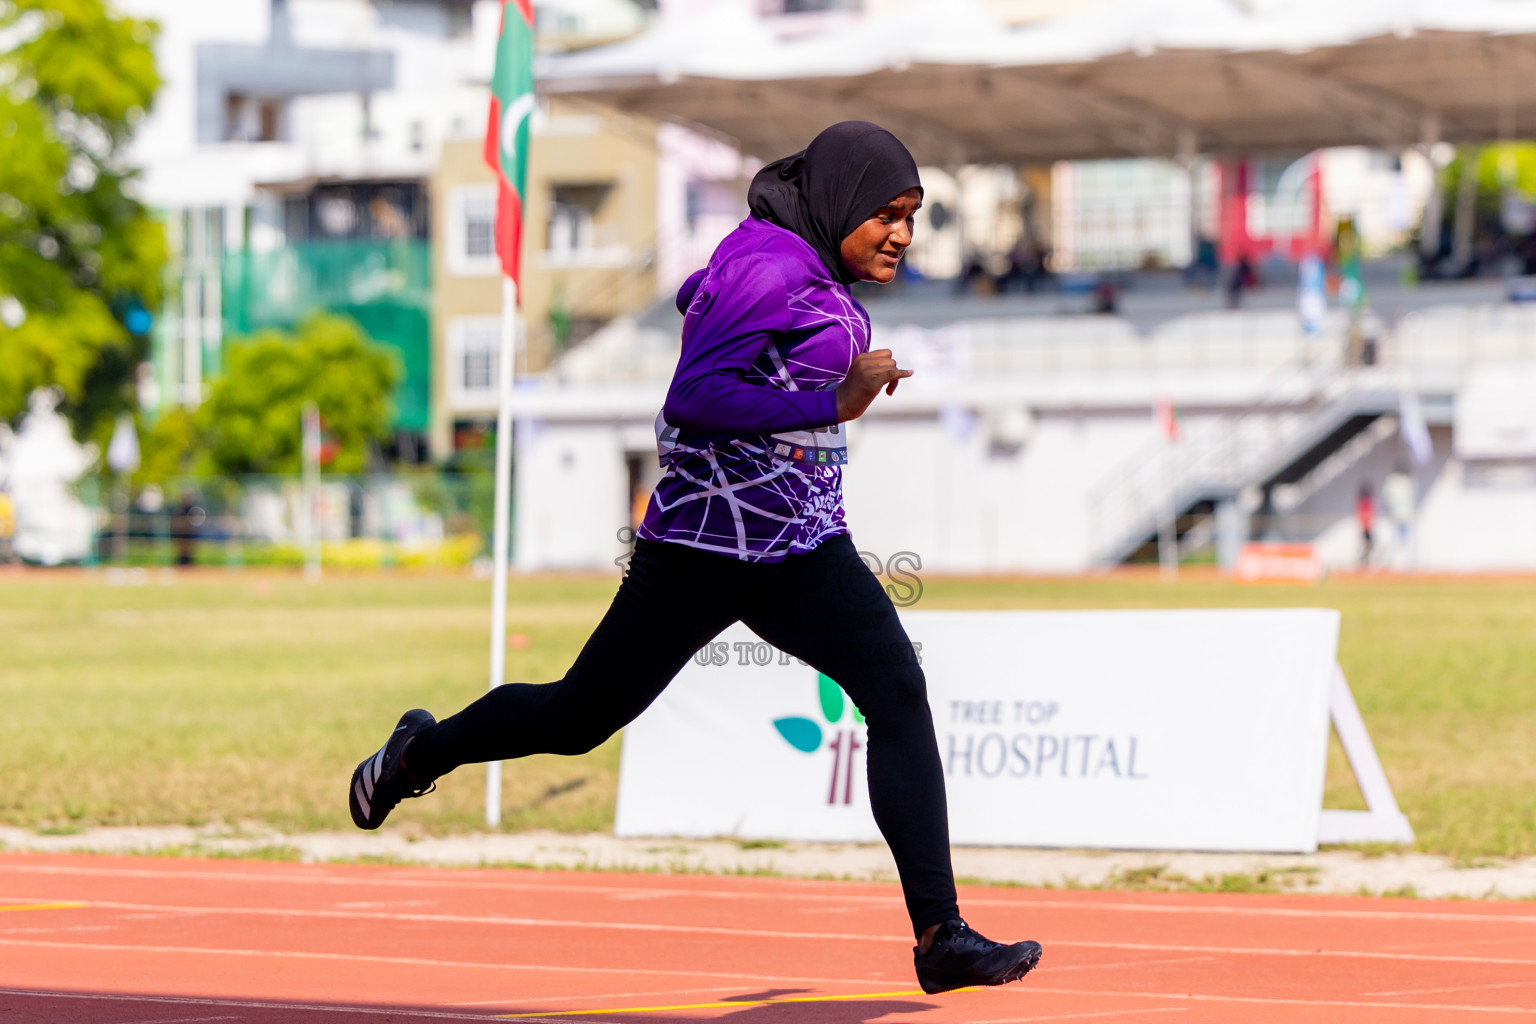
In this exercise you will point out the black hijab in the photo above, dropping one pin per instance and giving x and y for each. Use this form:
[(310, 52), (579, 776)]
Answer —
[(833, 185)]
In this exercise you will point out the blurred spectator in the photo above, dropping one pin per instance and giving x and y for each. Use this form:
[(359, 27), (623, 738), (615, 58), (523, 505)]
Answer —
[(1243, 278), (1397, 498), (1203, 270), (1361, 346), (973, 274), (1365, 515), (185, 520), (1026, 267), (1106, 295)]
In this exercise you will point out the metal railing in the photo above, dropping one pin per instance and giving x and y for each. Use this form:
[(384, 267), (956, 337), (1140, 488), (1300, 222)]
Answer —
[(396, 520)]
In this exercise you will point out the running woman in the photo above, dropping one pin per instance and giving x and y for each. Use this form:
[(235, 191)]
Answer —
[(747, 525)]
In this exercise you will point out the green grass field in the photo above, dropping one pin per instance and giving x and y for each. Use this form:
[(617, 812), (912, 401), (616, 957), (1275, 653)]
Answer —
[(247, 699)]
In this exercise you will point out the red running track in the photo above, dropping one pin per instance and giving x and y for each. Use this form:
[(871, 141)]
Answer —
[(120, 940)]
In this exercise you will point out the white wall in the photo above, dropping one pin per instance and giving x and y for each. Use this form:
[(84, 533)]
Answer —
[(927, 478), (570, 498), (932, 480), (1477, 518), (945, 491)]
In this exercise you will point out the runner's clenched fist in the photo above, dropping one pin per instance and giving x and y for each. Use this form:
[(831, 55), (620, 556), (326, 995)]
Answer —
[(870, 372)]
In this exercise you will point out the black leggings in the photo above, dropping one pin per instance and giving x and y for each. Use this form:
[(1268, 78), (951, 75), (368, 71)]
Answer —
[(823, 607)]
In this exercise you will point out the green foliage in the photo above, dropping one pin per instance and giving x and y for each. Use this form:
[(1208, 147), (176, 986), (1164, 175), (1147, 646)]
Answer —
[(76, 252), (1498, 167), (251, 421), (166, 449)]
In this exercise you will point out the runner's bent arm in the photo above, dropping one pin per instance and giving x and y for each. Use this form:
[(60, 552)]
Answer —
[(731, 317)]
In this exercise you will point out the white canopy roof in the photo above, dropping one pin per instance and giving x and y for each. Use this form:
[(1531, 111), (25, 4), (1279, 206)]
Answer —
[(1130, 78)]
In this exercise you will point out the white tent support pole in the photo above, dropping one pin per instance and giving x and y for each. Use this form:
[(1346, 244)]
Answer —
[(310, 451), (1429, 231), (1466, 211), (1383, 822), (1188, 146), (1168, 546), (499, 535), (1168, 529), (122, 497)]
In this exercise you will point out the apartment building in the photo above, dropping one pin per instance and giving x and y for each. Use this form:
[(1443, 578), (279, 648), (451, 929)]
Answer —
[(589, 255)]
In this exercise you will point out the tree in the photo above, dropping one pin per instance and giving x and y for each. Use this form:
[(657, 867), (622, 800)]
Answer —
[(250, 422), (167, 448), (80, 259)]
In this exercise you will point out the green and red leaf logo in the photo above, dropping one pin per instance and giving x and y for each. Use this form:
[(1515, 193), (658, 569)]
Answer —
[(807, 735)]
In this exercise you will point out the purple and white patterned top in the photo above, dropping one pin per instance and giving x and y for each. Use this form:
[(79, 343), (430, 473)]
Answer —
[(751, 451)]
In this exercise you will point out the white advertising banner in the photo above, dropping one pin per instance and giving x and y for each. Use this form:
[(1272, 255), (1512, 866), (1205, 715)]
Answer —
[(1189, 730)]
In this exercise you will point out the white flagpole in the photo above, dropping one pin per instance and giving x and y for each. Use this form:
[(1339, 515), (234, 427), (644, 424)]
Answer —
[(310, 444), (499, 541)]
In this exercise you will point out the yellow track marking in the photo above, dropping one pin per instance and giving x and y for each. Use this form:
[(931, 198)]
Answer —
[(715, 1006), (41, 906)]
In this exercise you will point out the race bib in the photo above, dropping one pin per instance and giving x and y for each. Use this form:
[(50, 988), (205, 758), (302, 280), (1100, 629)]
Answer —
[(825, 447)]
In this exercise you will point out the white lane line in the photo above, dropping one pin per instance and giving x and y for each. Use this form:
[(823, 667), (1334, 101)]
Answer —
[(1347, 954), (1132, 963), (1274, 1001), (175, 1020), (1453, 988), (1239, 911), (122, 947), (1081, 1016), (249, 1004), (64, 930), (1458, 944), (481, 919), (763, 933), (774, 894)]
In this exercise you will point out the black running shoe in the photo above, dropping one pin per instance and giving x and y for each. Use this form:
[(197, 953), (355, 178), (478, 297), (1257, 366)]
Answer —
[(379, 783), (961, 956)]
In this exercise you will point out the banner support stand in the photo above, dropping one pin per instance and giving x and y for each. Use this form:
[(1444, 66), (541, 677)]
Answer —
[(1383, 822)]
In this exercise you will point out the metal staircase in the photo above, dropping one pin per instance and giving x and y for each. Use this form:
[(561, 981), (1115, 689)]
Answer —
[(1306, 414)]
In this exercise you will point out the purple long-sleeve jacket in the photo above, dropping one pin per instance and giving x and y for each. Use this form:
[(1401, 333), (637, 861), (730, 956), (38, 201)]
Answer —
[(751, 451)]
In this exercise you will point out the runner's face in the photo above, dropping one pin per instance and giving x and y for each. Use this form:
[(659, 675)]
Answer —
[(875, 246)]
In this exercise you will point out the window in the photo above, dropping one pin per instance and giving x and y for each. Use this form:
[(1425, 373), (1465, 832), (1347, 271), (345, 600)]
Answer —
[(479, 368), (571, 215), (269, 120), (480, 228), (472, 231), (474, 360), (254, 118), (554, 22)]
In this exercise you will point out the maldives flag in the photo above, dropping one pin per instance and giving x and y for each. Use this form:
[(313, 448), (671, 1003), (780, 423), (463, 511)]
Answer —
[(506, 137)]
